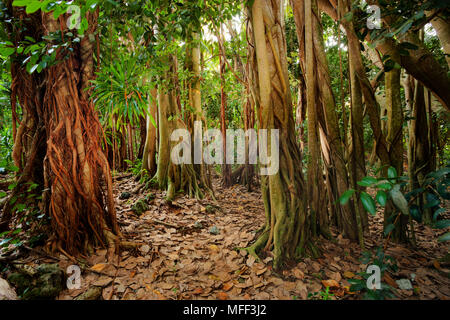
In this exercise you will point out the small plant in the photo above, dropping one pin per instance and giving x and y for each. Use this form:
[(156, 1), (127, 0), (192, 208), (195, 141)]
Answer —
[(385, 263), (429, 198), (321, 295)]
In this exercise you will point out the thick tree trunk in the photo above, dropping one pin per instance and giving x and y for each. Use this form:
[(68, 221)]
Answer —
[(419, 63), (82, 212), (328, 126), (286, 231), (174, 177), (29, 139), (442, 26), (77, 178)]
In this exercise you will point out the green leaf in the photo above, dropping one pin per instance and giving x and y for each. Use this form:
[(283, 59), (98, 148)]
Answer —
[(435, 214), (6, 51), (367, 181), (20, 3), (33, 68), (408, 45), (348, 16), (368, 203), (415, 213), (3, 194), (346, 196), (388, 229), (33, 7), (385, 186), (381, 197), (392, 173), (442, 224), (434, 202), (405, 27), (445, 237)]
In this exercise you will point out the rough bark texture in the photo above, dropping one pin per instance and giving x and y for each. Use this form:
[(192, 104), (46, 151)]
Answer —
[(30, 137), (149, 153), (286, 232), (174, 177), (394, 141), (356, 145), (77, 179)]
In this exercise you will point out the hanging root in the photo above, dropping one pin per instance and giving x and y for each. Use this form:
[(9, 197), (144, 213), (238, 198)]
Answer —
[(77, 172)]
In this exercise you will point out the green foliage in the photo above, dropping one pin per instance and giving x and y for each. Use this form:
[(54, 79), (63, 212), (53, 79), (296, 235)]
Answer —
[(434, 188), (321, 295), (119, 90), (385, 263)]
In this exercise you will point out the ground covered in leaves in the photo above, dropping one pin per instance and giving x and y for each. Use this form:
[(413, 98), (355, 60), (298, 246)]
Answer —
[(187, 249)]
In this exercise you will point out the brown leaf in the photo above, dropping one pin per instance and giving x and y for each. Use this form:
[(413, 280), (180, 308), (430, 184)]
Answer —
[(260, 272), (103, 281), (298, 274), (222, 296), (436, 264), (99, 267), (198, 290), (349, 275), (227, 286), (330, 283), (388, 279)]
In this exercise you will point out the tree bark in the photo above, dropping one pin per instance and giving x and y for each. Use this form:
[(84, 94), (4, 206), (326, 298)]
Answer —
[(286, 231), (149, 153)]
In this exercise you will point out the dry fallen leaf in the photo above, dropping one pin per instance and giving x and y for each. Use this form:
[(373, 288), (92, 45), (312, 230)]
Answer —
[(330, 283), (388, 279), (227, 286), (98, 267), (103, 282), (222, 296), (349, 275), (213, 247), (198, 290), (436, 264), (298, 274)]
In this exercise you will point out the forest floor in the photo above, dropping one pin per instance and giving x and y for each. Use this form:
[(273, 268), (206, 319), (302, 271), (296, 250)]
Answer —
[(187, 250)]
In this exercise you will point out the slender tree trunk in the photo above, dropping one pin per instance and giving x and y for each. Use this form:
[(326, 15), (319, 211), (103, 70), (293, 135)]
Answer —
[(226, 168), (356, 145), (149, 153), (394, 140)]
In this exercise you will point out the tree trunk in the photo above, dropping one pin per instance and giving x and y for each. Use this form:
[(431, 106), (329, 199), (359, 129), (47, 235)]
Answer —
[(356, 145), (174, 177), (442, 27), (30, 138), (394, 141), (286, 231), (77, 178), (226, 168), (149, 153)]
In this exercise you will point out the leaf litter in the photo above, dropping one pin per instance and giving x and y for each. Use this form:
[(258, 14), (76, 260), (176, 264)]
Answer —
[(178, 256)]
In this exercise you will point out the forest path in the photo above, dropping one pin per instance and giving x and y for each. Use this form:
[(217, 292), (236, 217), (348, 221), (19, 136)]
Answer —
[(188, 252)]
